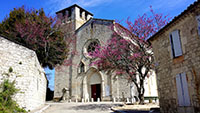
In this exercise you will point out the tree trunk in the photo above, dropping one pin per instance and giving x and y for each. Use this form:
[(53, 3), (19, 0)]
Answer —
[(140, 89), (141, 98)]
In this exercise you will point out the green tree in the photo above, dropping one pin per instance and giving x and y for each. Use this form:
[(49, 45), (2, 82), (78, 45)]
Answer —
[(37, 31), (7, 104)]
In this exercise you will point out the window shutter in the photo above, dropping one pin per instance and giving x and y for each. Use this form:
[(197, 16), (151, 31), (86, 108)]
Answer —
[(179, 90), (176, 43), (182, 90), (185, 90), (172, 45)]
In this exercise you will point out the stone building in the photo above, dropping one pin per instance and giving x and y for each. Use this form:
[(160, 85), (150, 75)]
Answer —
[(83, 81), (177, 58), (22, 65)]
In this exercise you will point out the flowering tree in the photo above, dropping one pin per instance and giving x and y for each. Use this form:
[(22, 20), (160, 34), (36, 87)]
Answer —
[(39, 32), (128, 53)]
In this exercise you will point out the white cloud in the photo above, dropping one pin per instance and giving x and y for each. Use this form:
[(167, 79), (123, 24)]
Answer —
[(91, 3), (55, 5)]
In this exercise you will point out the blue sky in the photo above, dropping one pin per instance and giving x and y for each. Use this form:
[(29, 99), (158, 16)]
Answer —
[(106, 9), (50, 76)]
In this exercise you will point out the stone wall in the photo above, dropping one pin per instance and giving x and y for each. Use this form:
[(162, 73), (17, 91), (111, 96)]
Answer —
[(150, 86), (168, 67), (27, 72)]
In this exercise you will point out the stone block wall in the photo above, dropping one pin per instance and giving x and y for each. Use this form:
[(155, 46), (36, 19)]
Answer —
[(150, 86), (27, 73), (168, 67), (120, 88)]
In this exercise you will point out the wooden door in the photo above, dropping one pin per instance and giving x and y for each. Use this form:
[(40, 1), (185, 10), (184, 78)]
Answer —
[(96, 91), (94, 95)]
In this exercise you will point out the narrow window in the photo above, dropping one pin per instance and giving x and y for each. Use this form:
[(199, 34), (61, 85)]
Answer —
[(175, 44), (182, 90), (92, 25), (81, 13), (86, 16), (82, 67)]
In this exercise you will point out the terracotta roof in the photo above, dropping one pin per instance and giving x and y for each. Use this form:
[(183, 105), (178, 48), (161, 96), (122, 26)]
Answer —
[(176, 18), (75, 5)]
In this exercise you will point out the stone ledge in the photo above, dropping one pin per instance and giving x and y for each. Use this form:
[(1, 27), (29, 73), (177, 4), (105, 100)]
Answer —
[(40, 110), (129, 108)]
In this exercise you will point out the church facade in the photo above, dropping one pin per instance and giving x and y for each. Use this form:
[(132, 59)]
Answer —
[(84, 81)]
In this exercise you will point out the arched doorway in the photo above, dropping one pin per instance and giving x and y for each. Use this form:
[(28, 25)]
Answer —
[(95, 86)]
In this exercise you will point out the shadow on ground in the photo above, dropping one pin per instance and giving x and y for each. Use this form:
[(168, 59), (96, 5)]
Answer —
[(102, 107), (133, 111), (137, 111)]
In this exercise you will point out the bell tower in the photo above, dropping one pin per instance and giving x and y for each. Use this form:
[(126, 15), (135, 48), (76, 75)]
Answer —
[(75, 14)]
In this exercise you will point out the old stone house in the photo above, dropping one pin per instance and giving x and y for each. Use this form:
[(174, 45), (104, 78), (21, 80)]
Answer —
[(22, 65), (177, 58), (83, 81)]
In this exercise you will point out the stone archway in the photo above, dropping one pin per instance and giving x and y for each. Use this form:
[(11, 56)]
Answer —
[(93, 84)]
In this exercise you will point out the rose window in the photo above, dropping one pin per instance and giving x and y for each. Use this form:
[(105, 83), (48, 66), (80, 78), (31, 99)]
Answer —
[(91, 48)]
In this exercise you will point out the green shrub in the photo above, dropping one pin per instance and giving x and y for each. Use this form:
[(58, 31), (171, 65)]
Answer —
[(150, 100), (10, 70), (7, 104)]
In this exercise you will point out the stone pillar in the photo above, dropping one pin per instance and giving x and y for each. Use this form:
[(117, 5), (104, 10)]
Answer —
[(85, 88), (102, 84), (83, 15), (103, 88), (117, 87), (88, 17), (114, 100)]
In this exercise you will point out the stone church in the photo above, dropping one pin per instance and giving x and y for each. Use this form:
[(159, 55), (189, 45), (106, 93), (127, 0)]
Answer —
[(83, 81)]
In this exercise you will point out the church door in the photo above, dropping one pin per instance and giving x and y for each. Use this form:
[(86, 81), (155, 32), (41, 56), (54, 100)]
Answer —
[(96, 91)]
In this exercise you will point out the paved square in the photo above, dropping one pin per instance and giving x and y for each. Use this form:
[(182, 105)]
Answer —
[(102, 107)]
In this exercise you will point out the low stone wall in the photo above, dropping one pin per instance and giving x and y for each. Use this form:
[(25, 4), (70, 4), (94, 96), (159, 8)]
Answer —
[(27, 73)]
